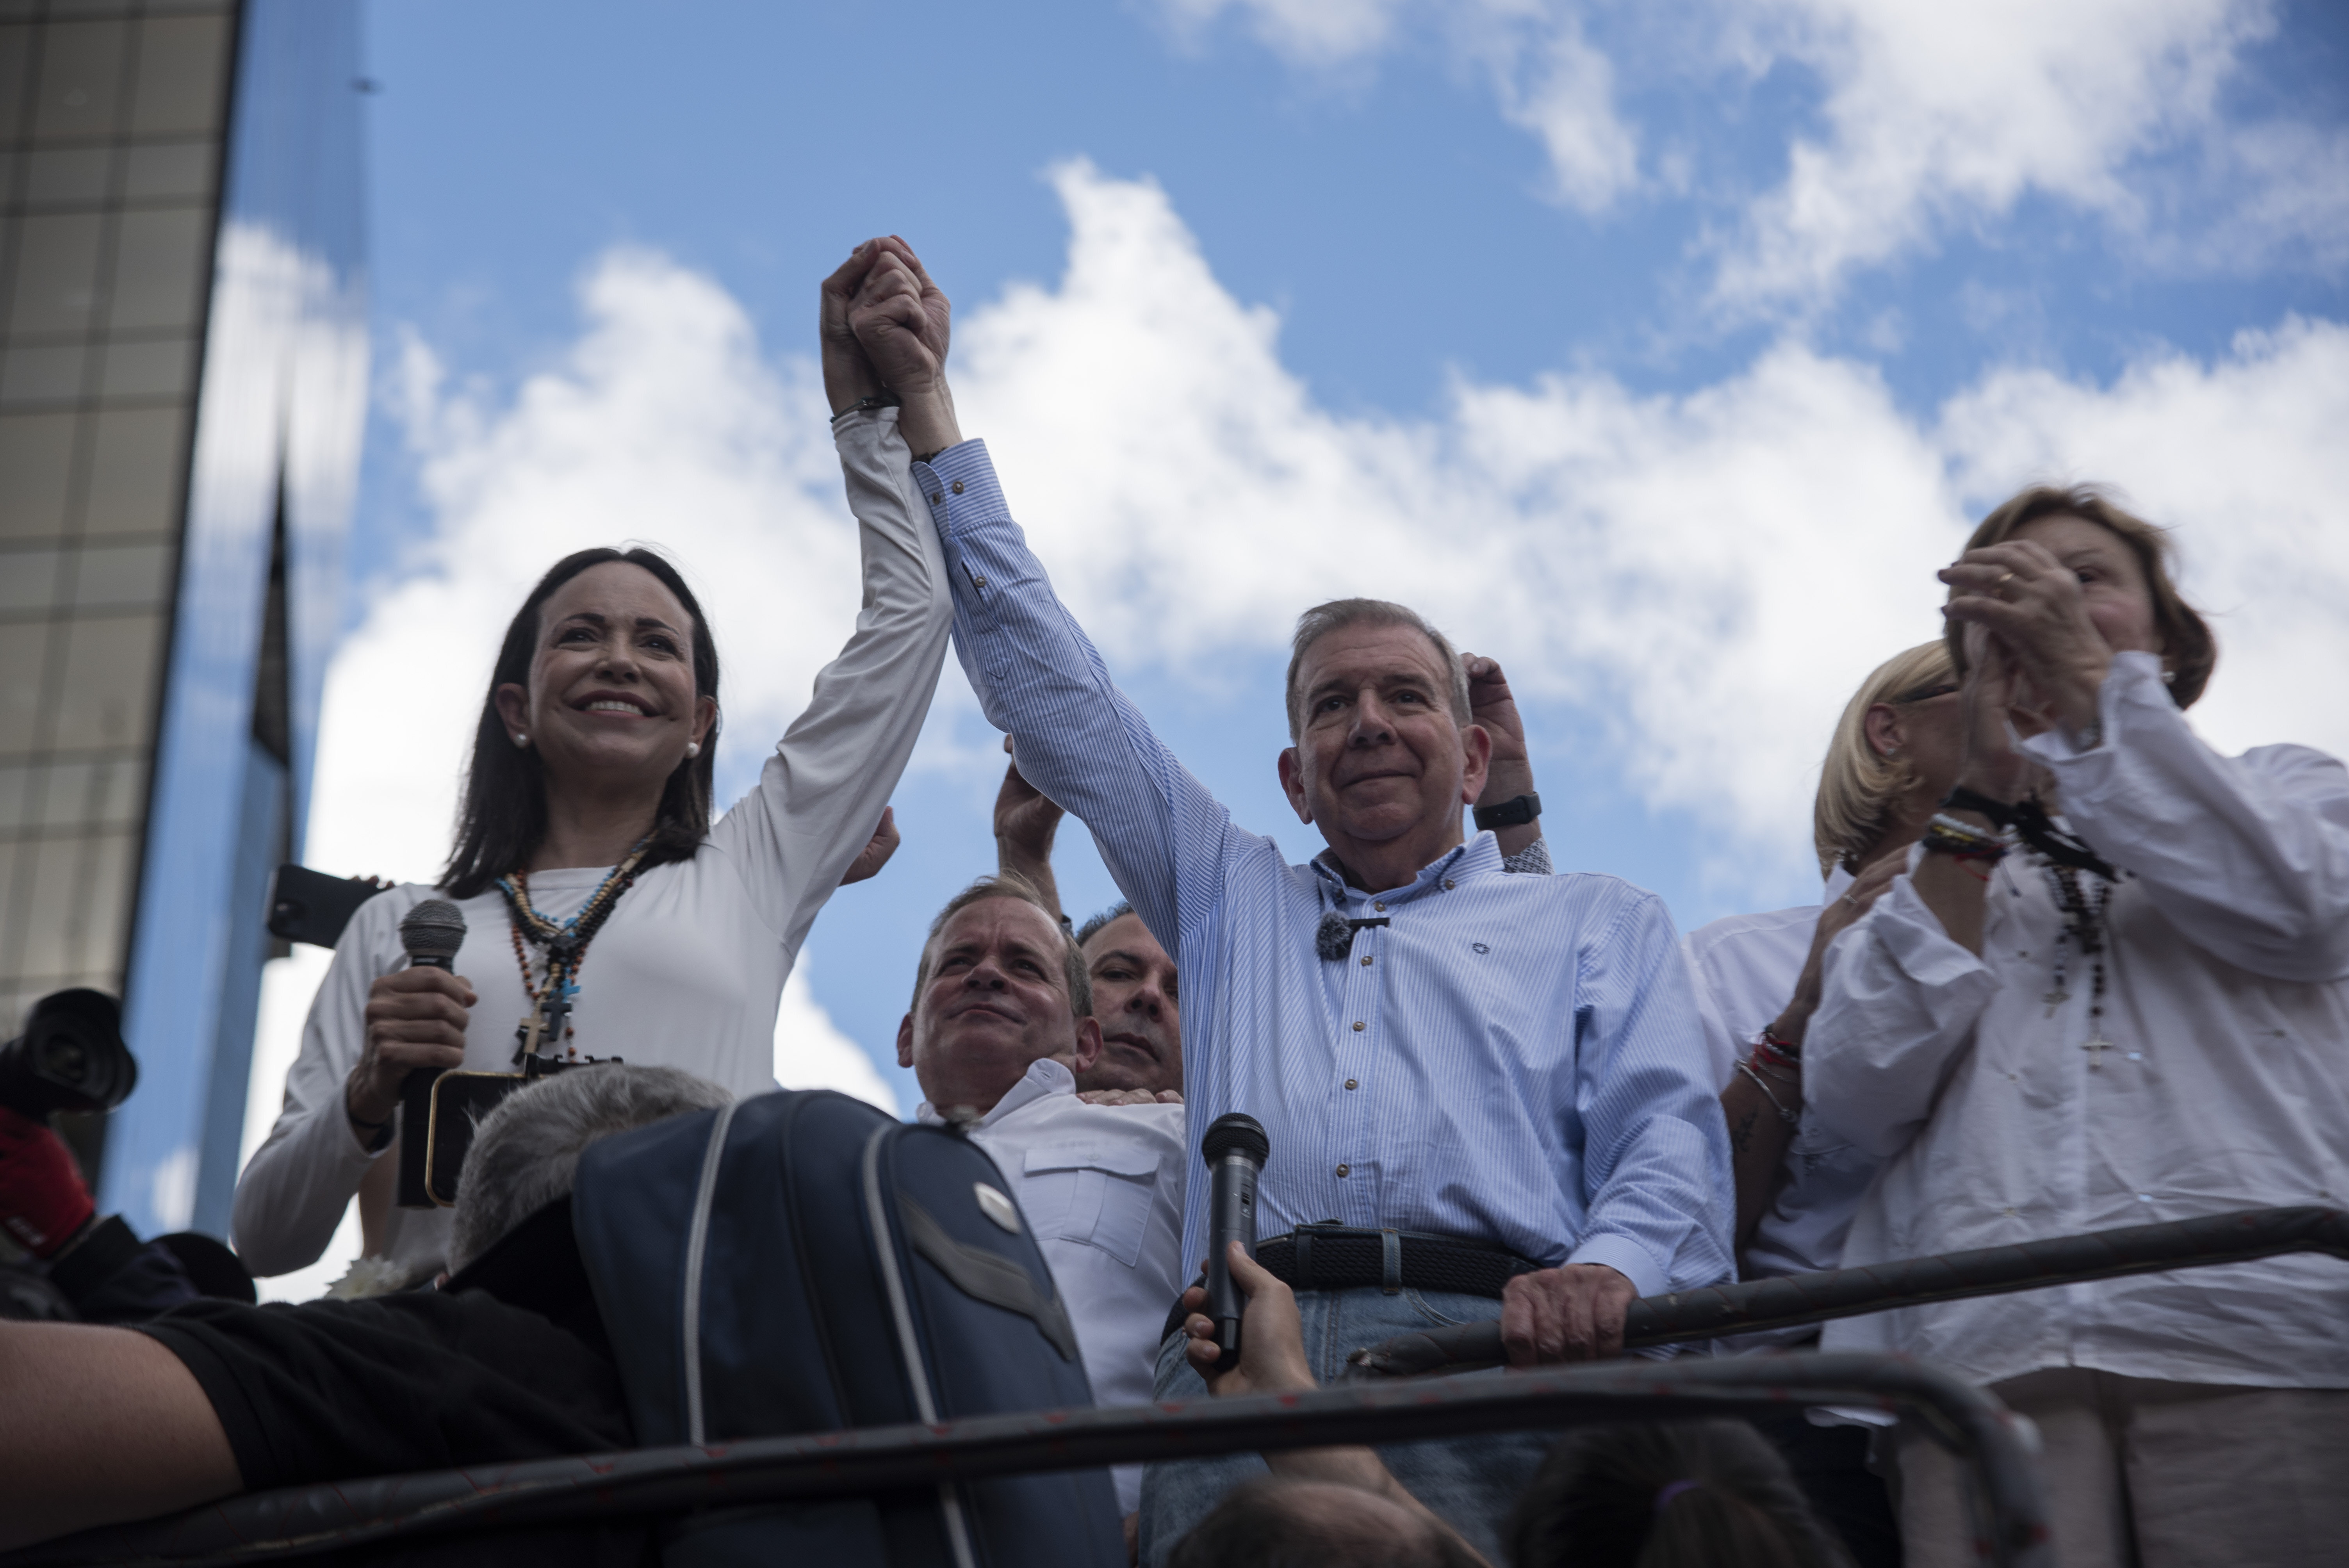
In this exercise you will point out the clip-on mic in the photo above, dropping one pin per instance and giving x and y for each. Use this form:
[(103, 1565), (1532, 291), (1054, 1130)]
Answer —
[(1236, 1148), (432, 933)]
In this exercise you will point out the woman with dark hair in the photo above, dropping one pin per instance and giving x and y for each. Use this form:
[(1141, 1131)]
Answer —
[(2111, 988), (606, 914)]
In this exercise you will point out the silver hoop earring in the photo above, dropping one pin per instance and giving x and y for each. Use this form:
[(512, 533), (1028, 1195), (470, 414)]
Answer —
[(692, 749)]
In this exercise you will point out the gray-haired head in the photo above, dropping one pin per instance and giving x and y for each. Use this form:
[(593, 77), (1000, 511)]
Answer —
[(527, 1151), (1339, 614)]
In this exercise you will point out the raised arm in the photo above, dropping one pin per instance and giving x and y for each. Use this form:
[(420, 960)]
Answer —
[(1039, 678), (822, 794)]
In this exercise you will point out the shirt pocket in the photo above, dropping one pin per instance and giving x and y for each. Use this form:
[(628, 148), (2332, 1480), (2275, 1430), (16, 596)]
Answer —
[(1100, 1197)]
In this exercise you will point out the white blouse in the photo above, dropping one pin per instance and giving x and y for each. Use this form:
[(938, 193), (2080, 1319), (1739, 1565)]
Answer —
[(1746, 967), (2225, 1084), (689, 969)]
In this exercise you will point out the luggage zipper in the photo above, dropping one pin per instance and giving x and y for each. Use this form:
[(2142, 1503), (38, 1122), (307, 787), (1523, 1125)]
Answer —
[(909, 1348), (696, 1241)]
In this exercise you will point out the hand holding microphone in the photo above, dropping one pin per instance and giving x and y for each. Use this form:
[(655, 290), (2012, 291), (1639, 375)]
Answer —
[(1236, 1148), (416, 1018)]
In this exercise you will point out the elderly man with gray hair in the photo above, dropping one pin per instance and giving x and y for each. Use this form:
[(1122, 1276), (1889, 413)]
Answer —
[(1487, 1096), (507, 1360)]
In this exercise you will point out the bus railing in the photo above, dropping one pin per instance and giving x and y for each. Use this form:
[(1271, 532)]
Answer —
[(1791, 1301), (266, 1527)]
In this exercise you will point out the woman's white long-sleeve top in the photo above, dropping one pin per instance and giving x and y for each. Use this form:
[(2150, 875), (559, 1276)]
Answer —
[(689, 969), (2226, 1084)]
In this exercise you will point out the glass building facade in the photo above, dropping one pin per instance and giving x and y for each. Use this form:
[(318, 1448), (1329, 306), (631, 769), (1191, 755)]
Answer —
[(182, 382)]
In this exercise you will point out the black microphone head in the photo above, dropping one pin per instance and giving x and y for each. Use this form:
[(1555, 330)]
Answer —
[(1234, 1133), (433, 931)]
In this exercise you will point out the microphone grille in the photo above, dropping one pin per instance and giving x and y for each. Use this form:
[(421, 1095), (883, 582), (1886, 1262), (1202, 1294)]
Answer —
[(1234, 1133), (433, 929)]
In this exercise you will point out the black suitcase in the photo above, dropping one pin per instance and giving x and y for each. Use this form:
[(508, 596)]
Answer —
[(799, 1263)]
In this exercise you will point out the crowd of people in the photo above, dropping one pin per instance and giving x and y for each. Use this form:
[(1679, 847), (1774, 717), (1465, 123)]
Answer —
[(2070, 969)]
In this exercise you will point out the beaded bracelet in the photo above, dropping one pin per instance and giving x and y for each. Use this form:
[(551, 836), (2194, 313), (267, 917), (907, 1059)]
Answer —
[(1770, 1051)]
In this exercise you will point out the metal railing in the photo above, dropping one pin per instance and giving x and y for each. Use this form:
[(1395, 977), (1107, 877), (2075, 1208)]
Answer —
[(289, 1524), (266, 1527), (1790, 1301)]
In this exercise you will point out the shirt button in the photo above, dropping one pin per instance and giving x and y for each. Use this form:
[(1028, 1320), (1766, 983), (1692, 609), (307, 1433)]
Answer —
[(1379, 907), (955, 486), (1365, 960), (936, 496), (1351, 1084), (978, 581), (1344, 1169), (1447, 885), (1360, 1026)]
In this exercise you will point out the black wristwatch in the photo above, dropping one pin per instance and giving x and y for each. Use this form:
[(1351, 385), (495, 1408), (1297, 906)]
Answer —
[(1514, 813), (885, 398)]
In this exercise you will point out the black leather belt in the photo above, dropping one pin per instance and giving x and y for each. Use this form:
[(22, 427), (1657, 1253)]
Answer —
[(1344, 1257)]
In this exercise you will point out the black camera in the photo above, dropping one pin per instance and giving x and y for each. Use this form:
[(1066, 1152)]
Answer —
[(69, 1058)]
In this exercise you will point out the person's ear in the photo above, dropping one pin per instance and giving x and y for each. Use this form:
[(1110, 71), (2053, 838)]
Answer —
[(1292, 784), (1881, 724), (514, 708), (704, 716), (906, 1041), (1089, 1043), (1476, 746)]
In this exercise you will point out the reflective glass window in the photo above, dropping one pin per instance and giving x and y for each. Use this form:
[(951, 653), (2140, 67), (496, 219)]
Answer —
[(107, 693), (32, 374), (66, 176), (134, 470), (24, 661), (81, 80), (35, 461), (28, 579), (122, 577), (56, 273), (158, 270), (182, 70), (174, 169), (162, 370)]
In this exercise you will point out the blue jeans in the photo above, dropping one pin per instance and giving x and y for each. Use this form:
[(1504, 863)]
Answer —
[(1472, 1482)]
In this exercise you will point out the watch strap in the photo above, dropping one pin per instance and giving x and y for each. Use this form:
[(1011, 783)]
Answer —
[(1512, 813)]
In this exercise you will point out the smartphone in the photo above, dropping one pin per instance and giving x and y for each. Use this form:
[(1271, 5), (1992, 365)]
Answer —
[(311, 906)]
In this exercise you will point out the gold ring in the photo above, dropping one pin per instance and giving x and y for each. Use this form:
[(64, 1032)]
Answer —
[(2004, 578)]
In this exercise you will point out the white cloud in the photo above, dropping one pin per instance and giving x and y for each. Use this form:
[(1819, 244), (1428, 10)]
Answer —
[(1706, 573), (1923, 120), (1938, 115), (1710, 572), (1308, 31), (663, 424), (2245, 459), (1563, 90), (812, 1053)]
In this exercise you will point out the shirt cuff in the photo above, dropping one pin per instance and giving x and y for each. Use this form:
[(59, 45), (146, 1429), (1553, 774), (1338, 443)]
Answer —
[(2135, 678), (1533, 860), (1626, 1257), (960, 483)]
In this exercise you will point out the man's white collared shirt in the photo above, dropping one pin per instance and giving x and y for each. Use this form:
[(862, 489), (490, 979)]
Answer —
[(1101, 1186)]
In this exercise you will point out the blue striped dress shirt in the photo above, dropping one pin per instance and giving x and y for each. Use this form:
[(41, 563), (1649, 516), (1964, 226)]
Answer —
[(1513, 1059)]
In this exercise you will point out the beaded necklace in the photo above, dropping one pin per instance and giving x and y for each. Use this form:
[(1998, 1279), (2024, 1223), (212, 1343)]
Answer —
[(548, 1021), (2084, 927)]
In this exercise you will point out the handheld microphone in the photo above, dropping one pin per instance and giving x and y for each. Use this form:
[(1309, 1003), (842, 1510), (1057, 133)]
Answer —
[(1236, 1148), (432, 933)]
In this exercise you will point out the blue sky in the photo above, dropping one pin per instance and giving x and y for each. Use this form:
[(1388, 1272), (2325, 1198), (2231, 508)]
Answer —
[(1663, 350)]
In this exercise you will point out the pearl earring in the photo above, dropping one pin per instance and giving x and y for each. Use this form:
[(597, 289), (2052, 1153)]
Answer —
[(520, 738), (693, 748)]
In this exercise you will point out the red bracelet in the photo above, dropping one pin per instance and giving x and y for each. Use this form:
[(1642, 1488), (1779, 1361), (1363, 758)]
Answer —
[(1778, 1051), (1764, 1056)]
